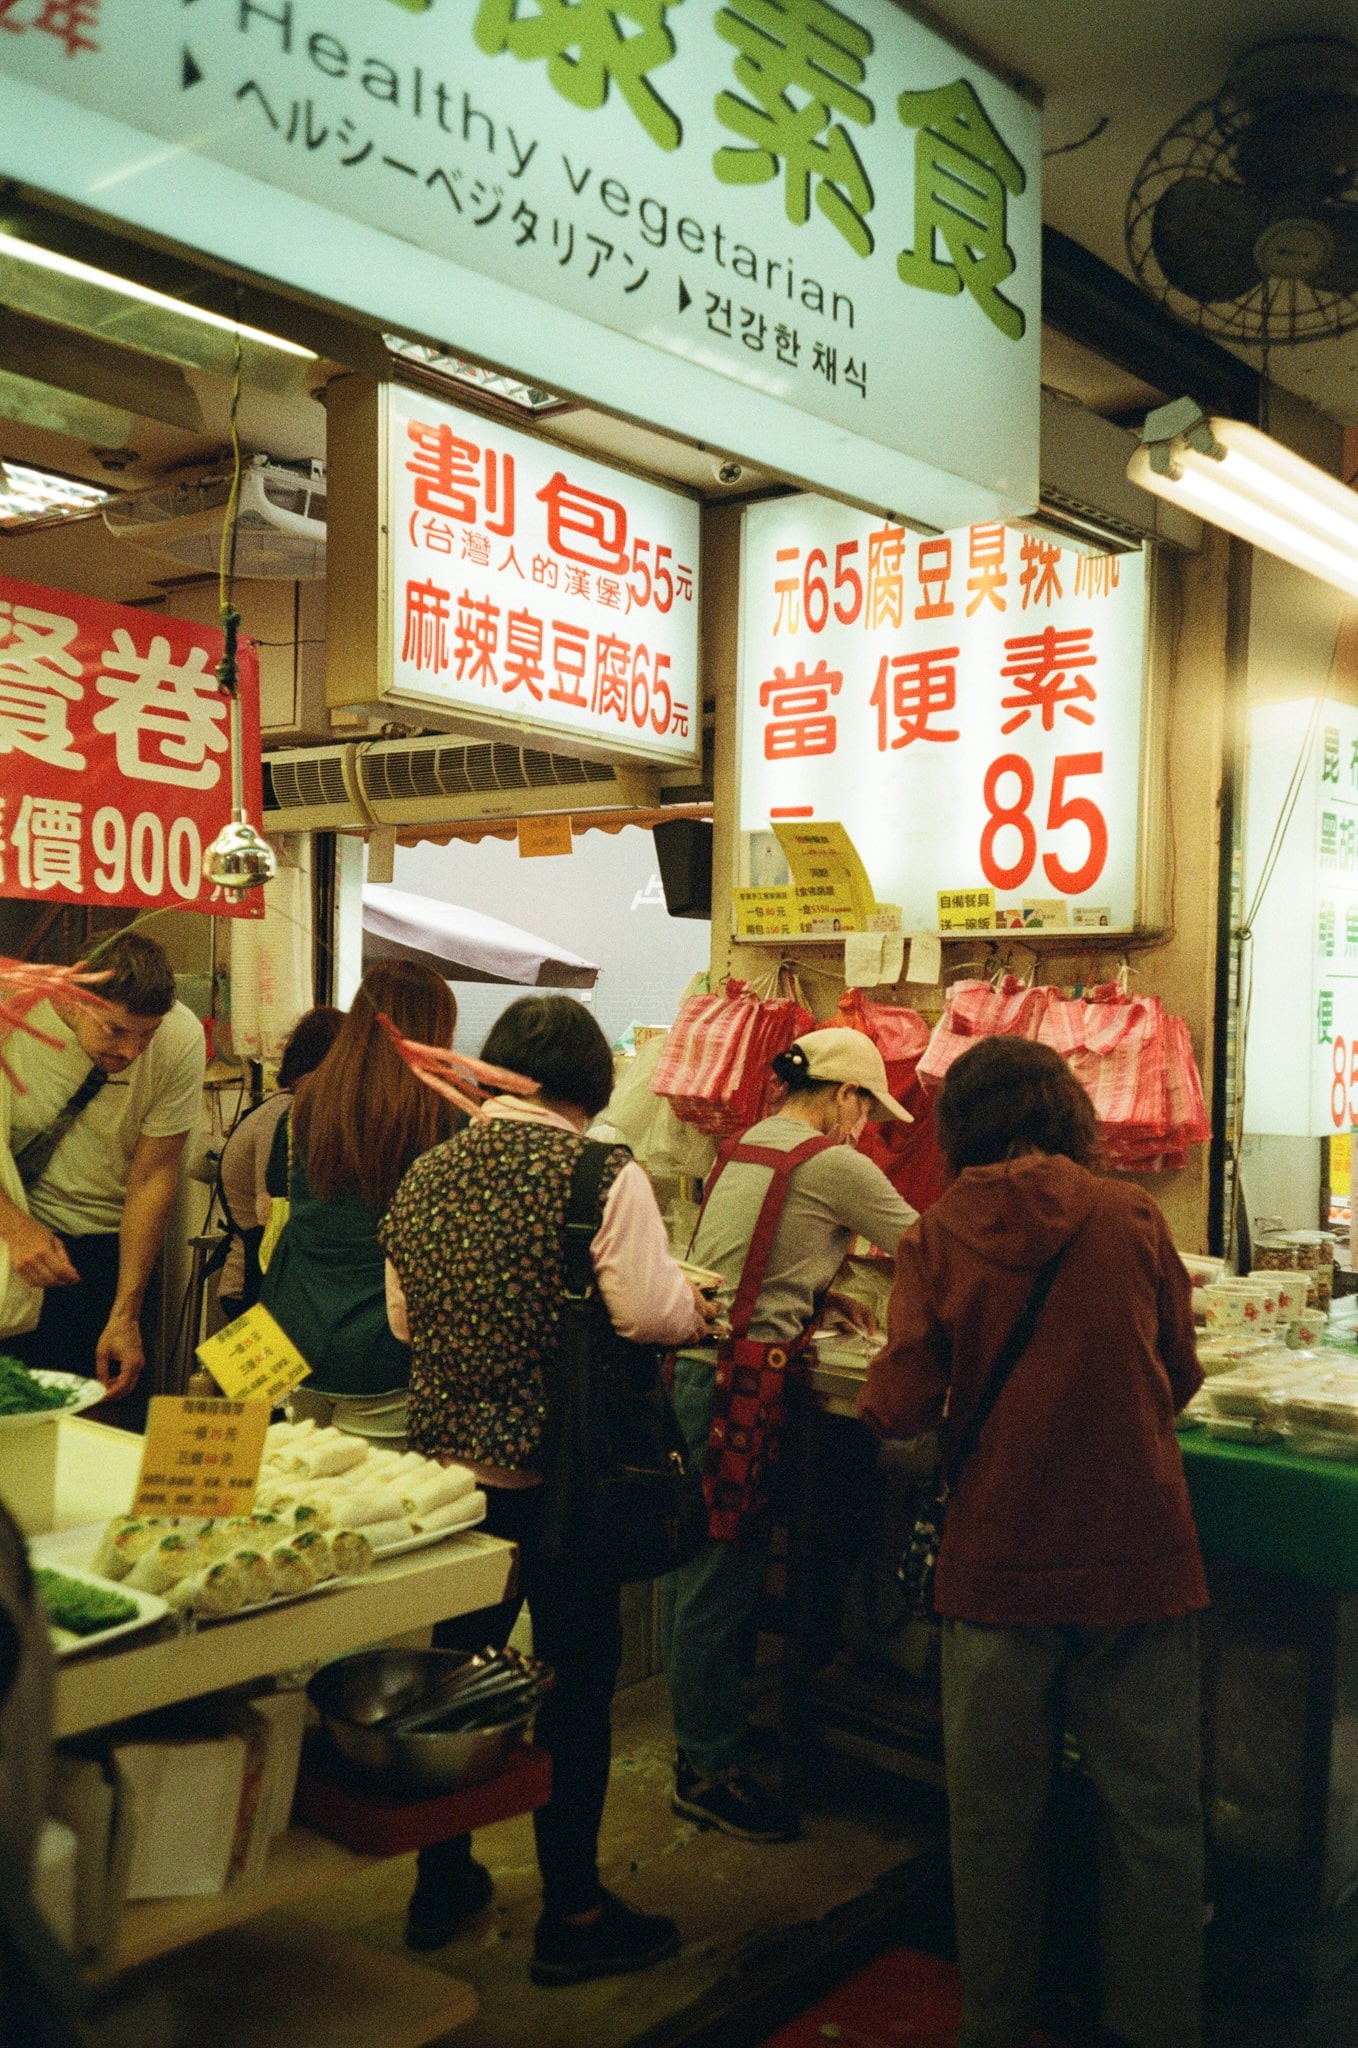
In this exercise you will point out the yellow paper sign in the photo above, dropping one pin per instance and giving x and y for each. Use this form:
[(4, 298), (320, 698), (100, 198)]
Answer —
[(201, 1457), (541, 837), (966, 910), (765, 913), (252, 1359), (833, 890)]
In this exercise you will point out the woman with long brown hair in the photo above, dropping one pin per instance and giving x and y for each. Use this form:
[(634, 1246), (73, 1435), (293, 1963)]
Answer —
[(358, 1122)]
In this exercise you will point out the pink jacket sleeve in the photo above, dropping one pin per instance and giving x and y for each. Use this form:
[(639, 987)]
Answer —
[(647, 1297)]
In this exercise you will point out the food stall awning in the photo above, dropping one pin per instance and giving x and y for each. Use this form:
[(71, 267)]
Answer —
[(463, 945)]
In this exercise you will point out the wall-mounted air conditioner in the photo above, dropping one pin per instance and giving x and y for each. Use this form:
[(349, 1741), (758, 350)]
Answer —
[(280, 530), (432, 781)]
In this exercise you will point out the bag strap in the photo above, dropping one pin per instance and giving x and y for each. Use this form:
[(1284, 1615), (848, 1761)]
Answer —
[(782, 1165), (1019, 1338), (583, 1217)]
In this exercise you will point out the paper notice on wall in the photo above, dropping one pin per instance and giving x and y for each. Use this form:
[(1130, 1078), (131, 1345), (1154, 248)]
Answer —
[(1046, 914), (926, 959), (832, 884), (863, 959), (893, 956)]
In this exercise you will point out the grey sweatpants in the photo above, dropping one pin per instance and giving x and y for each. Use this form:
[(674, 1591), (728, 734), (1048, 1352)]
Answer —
[(1130, 1699)]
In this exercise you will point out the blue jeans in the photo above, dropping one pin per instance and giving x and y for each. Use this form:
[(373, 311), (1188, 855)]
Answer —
[(707, 1610)]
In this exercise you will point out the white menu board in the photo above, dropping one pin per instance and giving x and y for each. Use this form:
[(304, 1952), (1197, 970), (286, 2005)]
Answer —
[(533, 586), (967, 705), (1301, 1040)]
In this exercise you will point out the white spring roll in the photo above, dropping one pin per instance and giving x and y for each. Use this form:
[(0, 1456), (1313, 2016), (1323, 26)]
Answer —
[(314, 1546), (372, 1504), (382, 1535), (461, 1513), (124, 1540), (315, 1513), (289, 1570), (448, 1483), (326, 1458), (172, 1558), (352, 1550), (256, 1576), (218, 1590)]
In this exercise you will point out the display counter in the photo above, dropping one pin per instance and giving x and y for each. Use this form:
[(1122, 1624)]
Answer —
[(1263, 1505), (293, 1972), (1279, 1534)]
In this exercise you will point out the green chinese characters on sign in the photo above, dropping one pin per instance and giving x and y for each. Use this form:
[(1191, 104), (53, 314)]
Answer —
[(587, 51), (964, 175), (808, 49)]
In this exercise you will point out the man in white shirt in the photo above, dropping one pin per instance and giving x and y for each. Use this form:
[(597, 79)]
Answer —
[(97, 1128)]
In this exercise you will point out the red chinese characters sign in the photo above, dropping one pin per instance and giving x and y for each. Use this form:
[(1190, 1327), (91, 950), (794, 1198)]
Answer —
[(115, 753), (535, 587), (968, 704)]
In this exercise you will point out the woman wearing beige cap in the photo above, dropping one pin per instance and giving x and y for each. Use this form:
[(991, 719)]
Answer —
[(783, 1206)]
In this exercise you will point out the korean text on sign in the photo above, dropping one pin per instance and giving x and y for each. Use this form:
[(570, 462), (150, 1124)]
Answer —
[(115, 767), (201, 1457), (539, 587)]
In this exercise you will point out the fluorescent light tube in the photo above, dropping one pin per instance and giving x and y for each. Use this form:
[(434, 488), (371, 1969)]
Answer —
[(70, 266), (1242, 480)]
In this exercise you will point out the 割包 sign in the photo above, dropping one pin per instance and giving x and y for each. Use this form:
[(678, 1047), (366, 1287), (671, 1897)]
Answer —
[(115, 753), (1301, 1053), (810, 233), (530, 584), (968, 706)]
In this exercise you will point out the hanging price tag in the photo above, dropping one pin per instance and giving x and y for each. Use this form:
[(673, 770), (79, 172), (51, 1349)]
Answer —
[(201, 1457), (252, 1359)]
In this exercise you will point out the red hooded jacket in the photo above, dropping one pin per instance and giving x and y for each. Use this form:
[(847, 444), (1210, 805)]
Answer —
[(1072, 1508)]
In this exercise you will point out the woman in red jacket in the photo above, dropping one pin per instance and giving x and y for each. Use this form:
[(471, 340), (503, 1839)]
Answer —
[(1069, 1577)]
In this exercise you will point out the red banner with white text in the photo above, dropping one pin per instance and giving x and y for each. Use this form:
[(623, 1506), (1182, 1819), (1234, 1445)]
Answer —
[(115, 753)]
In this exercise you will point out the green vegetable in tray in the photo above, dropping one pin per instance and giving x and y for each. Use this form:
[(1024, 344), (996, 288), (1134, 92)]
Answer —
[(80, 1609), (22, 1394)]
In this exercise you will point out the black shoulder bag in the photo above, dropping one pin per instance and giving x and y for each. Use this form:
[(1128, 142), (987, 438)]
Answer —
[(918, 1565), (622, 1494)]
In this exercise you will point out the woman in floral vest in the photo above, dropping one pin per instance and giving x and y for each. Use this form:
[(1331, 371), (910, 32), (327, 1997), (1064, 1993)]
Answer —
[(475, 1281)]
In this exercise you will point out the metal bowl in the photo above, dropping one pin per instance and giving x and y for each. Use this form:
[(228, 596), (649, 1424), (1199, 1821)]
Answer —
[(357, 1694)]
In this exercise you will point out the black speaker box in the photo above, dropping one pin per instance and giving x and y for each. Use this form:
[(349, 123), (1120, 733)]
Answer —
[(683, 846)]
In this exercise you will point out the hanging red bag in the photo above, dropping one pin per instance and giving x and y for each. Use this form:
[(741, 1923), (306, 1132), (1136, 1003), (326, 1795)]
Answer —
[(982, 1009), (714, 1069), (908, 1154)]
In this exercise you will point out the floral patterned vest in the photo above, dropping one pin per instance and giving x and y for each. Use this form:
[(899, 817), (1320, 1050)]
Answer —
[(475, 1233)]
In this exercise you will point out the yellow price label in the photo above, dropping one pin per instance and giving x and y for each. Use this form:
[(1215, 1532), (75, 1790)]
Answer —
[(252, 1359), (539, 837), (966, 910), (201, 1457)]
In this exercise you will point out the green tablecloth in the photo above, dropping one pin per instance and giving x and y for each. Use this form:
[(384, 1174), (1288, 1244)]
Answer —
[(1269, 1507)]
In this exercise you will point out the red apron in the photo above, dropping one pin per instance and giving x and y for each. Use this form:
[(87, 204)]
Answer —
[(749, 1411)]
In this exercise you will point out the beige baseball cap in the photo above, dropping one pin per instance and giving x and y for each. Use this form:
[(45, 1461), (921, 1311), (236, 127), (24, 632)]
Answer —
[(843, 1055)]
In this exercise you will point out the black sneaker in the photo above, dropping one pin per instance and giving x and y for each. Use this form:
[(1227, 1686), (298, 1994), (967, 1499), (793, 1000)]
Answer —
[(619, 1940), (732, 1802), (436, 1911)]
